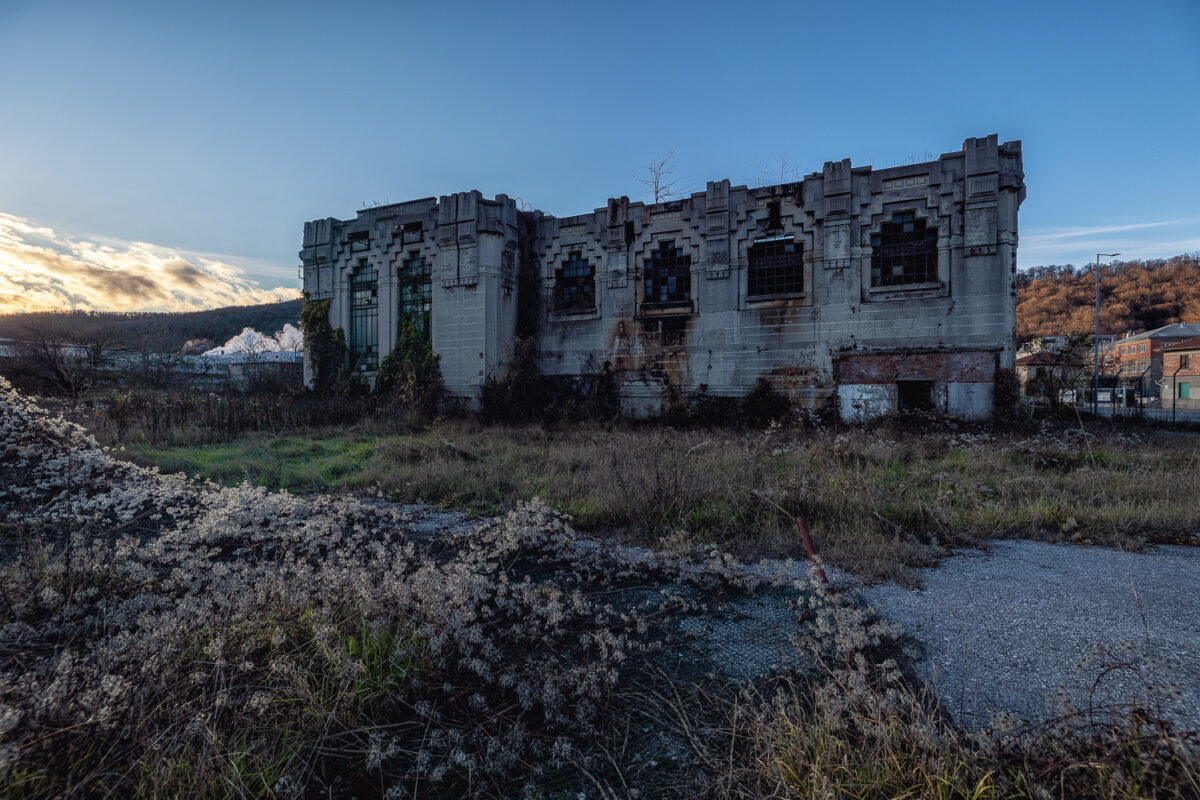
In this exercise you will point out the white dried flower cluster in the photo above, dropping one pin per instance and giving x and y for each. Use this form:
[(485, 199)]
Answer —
[(175, 617)]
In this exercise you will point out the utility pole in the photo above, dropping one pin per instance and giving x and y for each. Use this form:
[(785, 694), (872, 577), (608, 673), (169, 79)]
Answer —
[(1096, 343)]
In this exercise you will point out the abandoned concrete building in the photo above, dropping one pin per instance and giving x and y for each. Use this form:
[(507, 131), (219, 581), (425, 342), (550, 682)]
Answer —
[(860, 290)]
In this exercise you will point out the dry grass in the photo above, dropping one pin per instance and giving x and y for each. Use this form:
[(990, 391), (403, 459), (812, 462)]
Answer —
[(879, 501), (161, 638)]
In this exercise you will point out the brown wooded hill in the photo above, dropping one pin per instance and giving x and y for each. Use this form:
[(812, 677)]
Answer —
[(1134, 296), (168, 332)]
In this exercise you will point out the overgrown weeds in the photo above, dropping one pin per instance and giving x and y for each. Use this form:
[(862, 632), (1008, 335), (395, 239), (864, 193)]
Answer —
[(879, 501), (164, 638)]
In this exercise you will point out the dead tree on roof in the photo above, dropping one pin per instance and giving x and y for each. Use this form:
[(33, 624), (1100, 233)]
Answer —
[(660, 180)]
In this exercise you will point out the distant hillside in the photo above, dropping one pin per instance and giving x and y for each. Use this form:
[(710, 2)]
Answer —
[(170, 333), (1134, 295), (1051, 300)]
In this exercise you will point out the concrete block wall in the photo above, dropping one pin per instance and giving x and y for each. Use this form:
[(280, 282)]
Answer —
[(470, 244), (728, 340), (724, 340)]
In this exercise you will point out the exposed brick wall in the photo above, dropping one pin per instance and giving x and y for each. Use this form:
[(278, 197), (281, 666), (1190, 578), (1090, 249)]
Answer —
[(1171, 365), (970, 367)]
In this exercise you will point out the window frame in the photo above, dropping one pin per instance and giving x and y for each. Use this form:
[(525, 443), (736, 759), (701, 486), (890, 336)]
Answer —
[(792, 286), (414, 290), (659, 265), (583, 282), (364, 316), (928, 277)]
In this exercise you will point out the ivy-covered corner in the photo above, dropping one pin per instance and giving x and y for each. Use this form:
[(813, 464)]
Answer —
[(327, 351), (410, 373)]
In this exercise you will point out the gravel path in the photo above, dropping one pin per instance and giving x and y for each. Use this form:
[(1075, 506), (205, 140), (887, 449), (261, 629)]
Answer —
[(1030, 612)]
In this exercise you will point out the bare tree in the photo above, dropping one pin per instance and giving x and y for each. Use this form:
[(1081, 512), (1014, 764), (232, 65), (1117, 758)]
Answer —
[(759, 171), (145, 363), (68, 356), (660, 180)]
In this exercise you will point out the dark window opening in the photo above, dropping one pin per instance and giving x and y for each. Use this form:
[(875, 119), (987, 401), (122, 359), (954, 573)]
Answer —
[(668, 276), (416, 290), (364, 316), (914, 395), (776, 267), (904, 251), (359, 241), (1184, 362), (629, 232), (575, 284), (412, 231), (669, 331), (774, 216)]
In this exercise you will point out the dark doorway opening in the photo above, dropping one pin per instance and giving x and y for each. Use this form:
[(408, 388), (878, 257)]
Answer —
[(914, 395)]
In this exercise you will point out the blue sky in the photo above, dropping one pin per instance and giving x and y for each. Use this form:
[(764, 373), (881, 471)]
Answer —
[(209, 132)]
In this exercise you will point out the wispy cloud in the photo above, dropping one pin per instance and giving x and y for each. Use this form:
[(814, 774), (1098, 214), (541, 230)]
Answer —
[(43, 269), (1079, 245)]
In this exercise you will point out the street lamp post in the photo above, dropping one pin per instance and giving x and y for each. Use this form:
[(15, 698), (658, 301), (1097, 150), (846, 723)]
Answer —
[(1096, 342)]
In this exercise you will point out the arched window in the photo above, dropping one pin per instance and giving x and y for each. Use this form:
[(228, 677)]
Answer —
[(904, 251)]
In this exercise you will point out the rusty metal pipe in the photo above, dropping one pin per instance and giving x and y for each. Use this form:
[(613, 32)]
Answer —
[(811, 550)]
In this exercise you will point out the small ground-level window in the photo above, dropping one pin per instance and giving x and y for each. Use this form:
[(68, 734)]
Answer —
[(364, 316), (904, 251), (914, 395), (668, 275), (575, 284), (776, 266)]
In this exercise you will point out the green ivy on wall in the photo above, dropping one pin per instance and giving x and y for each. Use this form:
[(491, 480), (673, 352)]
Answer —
[(410, 373), (326, 346)]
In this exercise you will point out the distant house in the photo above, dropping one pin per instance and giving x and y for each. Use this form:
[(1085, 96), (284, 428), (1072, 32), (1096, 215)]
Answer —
[(1050, 367), (1137, 360), (1181, 373)]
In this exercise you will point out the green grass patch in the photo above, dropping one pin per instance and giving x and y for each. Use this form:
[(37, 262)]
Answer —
[(296, 463), (877, 504)]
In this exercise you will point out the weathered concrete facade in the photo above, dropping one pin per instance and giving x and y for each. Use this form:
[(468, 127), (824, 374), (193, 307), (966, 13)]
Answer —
[(859, 289)]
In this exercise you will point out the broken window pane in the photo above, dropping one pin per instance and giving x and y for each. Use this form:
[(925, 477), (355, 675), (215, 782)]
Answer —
[(364, 315), (668, 276), (416, 290), (575, 284), (412, 232), (776, 267), (904, 251)]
